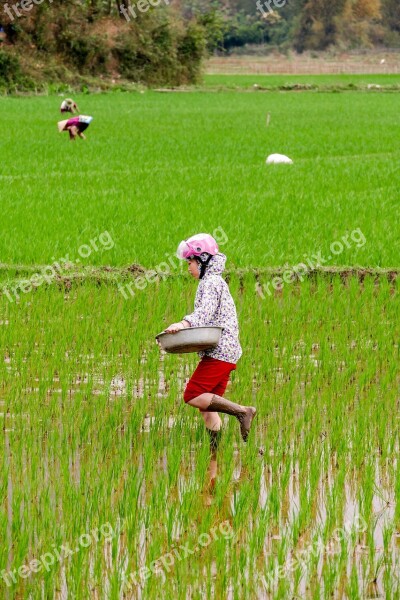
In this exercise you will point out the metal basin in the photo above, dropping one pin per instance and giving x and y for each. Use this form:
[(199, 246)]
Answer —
[(192, 339)]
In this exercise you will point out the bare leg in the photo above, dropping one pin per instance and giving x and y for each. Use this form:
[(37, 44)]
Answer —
[(213, 425), (211, 420), (203, 401), (73, 132)]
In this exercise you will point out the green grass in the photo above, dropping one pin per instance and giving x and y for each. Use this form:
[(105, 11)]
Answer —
[(157, 167), (94, 429), (320, 363)]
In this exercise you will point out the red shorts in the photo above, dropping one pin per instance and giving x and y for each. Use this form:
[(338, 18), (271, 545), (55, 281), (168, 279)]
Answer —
[(211, 376)]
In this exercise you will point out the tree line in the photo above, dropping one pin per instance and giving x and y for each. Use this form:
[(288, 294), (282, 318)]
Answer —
[(165, 41), (303, 25)]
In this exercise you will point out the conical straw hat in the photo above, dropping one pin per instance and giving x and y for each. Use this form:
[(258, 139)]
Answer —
[(61, 125)]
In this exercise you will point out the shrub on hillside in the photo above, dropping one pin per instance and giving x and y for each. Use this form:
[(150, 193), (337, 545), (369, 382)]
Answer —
[(160, 55), (10, 70), (190, 51), (88, 52)]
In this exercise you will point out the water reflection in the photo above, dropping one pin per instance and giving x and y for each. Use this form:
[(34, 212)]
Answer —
[(212, 471)]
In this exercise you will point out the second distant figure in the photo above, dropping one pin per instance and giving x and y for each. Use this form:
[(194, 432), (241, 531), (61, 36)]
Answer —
[(68, 105)]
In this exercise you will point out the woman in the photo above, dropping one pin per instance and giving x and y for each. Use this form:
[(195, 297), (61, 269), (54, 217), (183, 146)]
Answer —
[(214, 306), (68, 105), (75, 126)]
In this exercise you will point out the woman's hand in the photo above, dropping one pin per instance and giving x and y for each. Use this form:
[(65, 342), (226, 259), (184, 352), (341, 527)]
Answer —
[(175, 327)]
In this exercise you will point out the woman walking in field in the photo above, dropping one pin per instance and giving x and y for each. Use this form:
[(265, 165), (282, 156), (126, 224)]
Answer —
[(214, 306)]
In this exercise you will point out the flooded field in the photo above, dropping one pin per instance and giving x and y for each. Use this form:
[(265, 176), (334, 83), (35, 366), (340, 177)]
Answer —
[(109, 487)]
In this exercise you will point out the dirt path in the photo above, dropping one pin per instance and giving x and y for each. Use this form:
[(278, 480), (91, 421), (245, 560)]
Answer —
[(383, 62)]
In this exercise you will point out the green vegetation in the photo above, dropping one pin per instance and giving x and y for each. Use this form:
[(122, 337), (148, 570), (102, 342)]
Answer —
[(150, 158), (73, 44), (98, 44), (313, 25), (94, 430)]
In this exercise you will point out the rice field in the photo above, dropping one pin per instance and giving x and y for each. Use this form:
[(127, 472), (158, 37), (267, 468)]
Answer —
[(108, 486), (150, 157)]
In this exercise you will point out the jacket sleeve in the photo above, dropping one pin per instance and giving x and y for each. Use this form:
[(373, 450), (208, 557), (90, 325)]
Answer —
[(207, 302)]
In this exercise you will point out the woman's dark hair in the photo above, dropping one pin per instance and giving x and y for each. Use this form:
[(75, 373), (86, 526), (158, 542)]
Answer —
[(203, 261)]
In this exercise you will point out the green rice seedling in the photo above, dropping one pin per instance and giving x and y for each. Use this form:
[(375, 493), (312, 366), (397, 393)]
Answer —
[(94, 426), (353, 590), (348, 174)]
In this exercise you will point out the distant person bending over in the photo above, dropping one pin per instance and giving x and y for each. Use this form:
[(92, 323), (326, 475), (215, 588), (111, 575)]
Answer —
[(75, 126), (68, 105)]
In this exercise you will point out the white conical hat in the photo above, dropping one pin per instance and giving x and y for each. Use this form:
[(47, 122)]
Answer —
[(278, 158), (61, 125)]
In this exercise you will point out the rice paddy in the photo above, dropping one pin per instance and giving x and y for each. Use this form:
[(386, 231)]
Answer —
[(108, 486)]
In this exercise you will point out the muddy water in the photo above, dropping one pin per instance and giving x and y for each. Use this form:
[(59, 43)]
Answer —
[(359, 549), (383, 501)]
